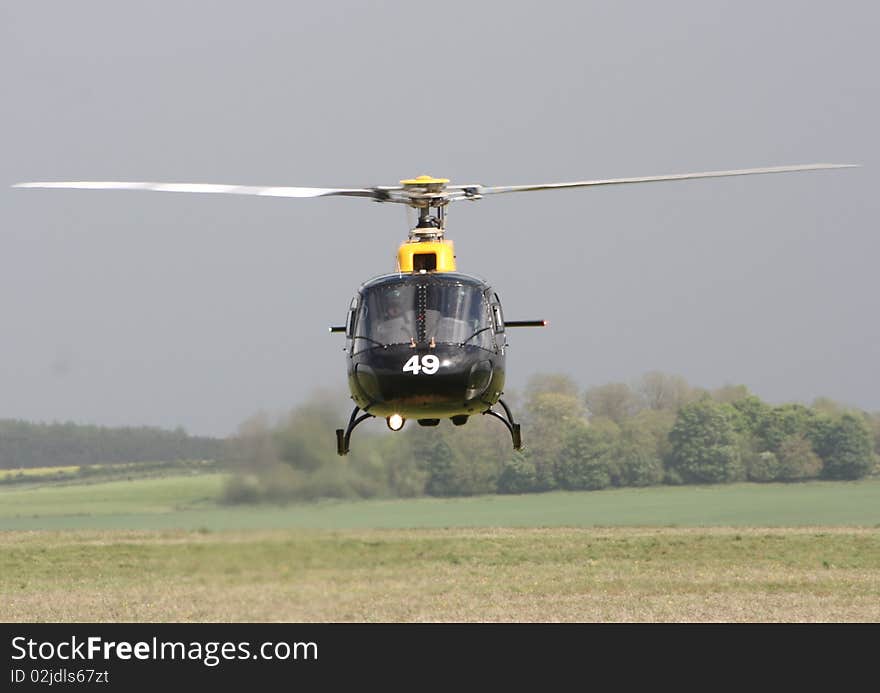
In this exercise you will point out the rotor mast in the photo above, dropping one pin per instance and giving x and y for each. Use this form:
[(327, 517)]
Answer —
[(426, 249)]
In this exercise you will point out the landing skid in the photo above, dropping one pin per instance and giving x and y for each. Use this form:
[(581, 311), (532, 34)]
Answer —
[(507, 420), (343, 437)]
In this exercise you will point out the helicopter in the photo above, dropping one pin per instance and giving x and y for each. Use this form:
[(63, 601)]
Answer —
[(425, 341)]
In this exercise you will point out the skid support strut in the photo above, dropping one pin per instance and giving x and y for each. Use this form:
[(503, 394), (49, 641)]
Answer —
[(343, 437), (507, 420)]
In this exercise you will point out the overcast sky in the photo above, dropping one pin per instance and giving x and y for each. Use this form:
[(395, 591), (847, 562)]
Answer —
[(134, 308)]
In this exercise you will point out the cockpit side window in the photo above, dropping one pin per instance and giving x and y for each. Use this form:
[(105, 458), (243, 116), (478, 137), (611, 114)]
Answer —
[(350, 321), (497, 314), (498, 318)]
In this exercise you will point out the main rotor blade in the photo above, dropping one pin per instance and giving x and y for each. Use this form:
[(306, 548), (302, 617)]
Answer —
[(652, 179), (265, 191)]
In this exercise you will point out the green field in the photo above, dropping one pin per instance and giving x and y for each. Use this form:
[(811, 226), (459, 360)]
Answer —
[(188, 502), (162, 549)]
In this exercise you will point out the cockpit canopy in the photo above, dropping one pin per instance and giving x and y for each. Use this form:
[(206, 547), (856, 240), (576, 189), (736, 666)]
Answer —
[(425, 308)]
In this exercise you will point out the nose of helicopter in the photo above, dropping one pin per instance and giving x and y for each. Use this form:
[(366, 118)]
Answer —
[(424, 383)]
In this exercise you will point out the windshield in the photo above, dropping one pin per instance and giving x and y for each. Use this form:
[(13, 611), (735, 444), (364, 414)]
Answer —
[(445, 311)]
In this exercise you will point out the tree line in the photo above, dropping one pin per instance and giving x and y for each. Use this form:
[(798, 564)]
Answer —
[(658, 430), (26, 445)]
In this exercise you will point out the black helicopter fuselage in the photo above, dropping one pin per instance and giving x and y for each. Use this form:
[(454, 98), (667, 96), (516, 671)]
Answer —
[(426, 346)]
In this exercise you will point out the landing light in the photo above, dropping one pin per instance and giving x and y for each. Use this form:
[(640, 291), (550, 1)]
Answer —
[(395, 422)]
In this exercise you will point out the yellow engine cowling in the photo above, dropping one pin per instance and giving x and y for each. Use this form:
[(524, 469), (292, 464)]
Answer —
[(431, 256)]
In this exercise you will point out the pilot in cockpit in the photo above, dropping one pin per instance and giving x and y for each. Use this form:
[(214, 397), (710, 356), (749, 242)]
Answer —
[(395, 326)]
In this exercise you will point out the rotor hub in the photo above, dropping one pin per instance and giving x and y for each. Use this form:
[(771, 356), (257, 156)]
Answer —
[(428, 195), (428, 184)]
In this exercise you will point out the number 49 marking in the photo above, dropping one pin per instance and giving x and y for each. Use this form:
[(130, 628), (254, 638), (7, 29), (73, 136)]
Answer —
[(429, 365)]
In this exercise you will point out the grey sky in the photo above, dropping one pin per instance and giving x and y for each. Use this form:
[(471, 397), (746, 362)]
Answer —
[(199, 310)]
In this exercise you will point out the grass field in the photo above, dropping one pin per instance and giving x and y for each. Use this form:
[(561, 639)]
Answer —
[(461, 575), (163, 550), (36, 473), (188, 502), (103, 472)]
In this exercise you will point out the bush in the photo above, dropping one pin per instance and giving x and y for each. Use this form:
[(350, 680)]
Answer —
[(705, 445), (781, 422), (405, 476), (518, 475), (586, 460), (797, 459), (672, 477), (762, 466), (846, 448), (242, 488), (332, 481), (637, 466)]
